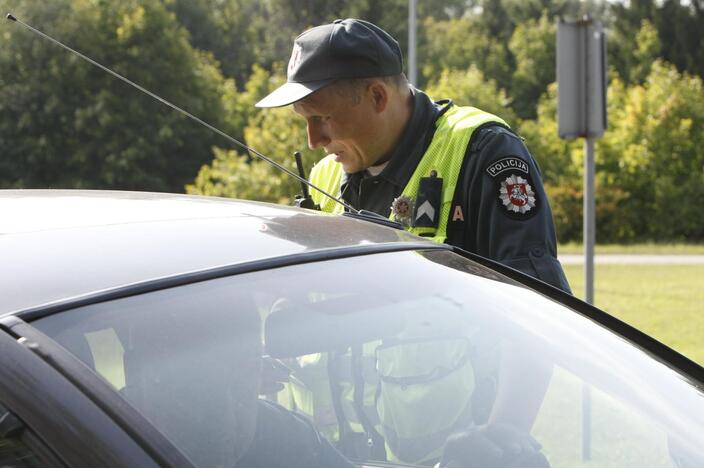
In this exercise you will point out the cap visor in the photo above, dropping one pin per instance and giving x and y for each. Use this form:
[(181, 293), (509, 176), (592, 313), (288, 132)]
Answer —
[(288, 93)]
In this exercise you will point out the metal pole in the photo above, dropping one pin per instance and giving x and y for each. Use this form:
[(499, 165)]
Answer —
[(589, 219), (586, 422), (589, 236), (412, 65)]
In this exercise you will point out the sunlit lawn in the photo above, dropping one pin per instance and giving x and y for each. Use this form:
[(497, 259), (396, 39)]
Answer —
[(646, 248), (665, 301)]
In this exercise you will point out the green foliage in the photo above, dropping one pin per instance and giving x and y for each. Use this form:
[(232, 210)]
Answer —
[(634, 51), (649, 162), (533, 46), (647, 51), (471, 88), (242, 33), (222, 28), (510, 41), (522, 11), (278, 133), (65, 123), (232, 175), (679, 28), (654, 151), (458, 44)]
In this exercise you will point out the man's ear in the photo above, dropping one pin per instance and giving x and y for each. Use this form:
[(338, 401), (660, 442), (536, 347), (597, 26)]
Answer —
[(379, 94)]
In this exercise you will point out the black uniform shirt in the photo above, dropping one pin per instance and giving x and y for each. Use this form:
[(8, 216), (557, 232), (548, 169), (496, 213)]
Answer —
[(499, 211), (285, 439)]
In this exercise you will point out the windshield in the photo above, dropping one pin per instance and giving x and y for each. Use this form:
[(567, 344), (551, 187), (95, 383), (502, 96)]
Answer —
[(383, 359)]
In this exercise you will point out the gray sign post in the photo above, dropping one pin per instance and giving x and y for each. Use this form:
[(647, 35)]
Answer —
[(412, 61), (581, 109)]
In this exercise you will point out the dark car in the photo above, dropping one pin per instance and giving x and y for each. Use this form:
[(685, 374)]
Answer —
[(163, 330)]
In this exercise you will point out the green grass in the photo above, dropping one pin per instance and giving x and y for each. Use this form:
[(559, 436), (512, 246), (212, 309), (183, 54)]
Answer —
[(649, 248), (665, 301)]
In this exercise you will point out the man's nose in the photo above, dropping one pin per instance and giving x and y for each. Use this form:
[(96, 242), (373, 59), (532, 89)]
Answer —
[(317, 137)]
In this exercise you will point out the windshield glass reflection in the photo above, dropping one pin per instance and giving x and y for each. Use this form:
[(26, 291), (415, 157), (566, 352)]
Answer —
[(409, 358)]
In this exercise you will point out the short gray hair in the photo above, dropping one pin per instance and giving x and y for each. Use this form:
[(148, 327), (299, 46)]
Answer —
[(352, 87)]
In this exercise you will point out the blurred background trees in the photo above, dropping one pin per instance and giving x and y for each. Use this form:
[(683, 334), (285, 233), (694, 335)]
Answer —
[(66, 124)]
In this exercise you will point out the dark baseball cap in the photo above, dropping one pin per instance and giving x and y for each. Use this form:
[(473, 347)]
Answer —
[(349, 48)]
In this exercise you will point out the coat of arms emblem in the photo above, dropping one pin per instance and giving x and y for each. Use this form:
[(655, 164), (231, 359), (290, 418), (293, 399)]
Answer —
[(516, 194)]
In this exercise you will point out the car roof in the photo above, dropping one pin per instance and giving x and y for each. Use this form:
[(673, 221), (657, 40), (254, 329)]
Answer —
[(58, 244)]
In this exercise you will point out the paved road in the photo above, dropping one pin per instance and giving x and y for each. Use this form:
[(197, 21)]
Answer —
[(571, 259)]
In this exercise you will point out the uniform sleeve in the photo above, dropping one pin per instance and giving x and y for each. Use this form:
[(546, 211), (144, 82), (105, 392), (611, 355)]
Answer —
[(505, 213)]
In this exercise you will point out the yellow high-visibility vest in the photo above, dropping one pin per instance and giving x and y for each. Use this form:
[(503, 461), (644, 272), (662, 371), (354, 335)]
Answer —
[(445, 155)]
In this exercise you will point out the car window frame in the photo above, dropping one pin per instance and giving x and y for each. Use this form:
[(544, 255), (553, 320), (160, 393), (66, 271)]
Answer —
[(116, 433), (25, 436), (221, 271), (613, 325), (690, 370)]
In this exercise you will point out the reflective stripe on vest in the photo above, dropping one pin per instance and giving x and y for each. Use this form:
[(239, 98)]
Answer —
[(445, 155), (326, 174)]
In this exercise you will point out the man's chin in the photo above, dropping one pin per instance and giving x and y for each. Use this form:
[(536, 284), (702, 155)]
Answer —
[(350, 168), (347, 165)]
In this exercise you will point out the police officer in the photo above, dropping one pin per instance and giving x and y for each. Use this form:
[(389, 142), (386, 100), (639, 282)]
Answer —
[(455, 174), (385, 140)]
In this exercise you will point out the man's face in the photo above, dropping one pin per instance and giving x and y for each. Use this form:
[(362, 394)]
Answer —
[(343, 121)]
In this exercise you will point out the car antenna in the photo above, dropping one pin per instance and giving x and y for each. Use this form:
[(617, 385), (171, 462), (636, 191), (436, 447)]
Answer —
[(353, 212)]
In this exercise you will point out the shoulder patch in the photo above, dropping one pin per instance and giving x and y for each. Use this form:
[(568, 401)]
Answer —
[(517, 196), (507, 164)]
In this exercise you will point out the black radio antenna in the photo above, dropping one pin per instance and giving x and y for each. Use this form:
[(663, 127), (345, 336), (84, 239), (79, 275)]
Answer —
[(186, 113)]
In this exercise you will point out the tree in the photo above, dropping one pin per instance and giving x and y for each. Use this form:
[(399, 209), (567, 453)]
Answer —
[(242, 33), (533, 47), (646, 52), (654, 151), (649, 163), (65, 123), (624, 22), (459, 43), (470, 88), (228, 29), (679, 25), (277, 133), (523, 11)]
